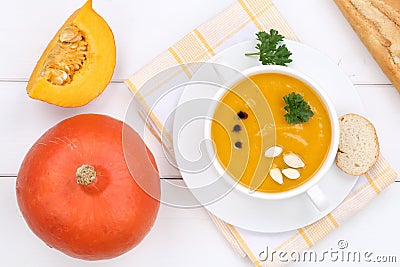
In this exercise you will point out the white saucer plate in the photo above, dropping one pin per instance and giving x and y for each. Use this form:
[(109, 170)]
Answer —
[(235, 207)]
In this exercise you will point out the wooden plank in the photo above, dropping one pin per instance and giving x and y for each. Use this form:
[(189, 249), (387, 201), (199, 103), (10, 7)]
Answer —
[(24, 120), (382, 108), (179, 237), (143, 29), (142, 32), (321, 25)]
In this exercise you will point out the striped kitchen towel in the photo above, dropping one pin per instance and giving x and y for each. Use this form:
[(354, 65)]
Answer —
[(236, 24)]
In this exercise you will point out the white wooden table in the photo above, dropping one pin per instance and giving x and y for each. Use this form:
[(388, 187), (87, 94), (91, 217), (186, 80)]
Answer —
[(143, 29)]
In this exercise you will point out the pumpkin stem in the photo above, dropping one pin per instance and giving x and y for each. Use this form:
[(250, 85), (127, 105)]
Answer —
[(85, 174)]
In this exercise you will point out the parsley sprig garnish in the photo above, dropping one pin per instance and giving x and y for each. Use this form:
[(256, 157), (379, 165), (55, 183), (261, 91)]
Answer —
[(270, 52), (297, 109)]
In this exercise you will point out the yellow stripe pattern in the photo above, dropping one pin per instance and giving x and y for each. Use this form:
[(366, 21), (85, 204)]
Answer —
[(251, 14), (159, 132), (332, 219), (305, 237), (179, 61), (204, 42), (372, 183), (245, 246)]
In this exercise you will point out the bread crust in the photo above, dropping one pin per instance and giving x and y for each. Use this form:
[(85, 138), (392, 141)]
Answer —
[(375, 156), (370, 34)]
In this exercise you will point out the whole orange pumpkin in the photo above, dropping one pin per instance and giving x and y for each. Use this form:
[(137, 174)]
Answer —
[(89, 187)]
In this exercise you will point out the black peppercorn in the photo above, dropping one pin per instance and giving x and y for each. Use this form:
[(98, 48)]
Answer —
[(242, 115), (237, 128), (238, 144)]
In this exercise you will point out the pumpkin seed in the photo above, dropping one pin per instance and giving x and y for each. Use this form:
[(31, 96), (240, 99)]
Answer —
[(69, 34), (273, 151), (57, 80), (66, 68), (276, 175), (67, 57), (293, 160), (64, 75), (291, 173), (76, 39), (74, 45)]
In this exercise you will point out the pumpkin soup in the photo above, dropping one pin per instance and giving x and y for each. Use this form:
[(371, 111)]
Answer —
[(250, 119)]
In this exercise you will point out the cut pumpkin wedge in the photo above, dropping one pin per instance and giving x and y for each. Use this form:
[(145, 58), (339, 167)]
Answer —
[(77, 64)]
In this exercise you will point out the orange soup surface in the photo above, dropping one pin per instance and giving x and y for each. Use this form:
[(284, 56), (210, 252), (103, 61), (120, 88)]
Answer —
[(250, 118)]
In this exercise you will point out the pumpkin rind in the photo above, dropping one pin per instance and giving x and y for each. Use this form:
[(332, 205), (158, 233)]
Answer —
[(98, 221), (96, 73)]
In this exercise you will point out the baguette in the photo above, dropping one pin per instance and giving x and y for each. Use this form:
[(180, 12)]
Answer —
[(358, 145), (377, 23)]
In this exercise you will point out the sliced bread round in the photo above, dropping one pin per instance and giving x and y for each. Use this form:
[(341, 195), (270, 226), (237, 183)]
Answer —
[(358, 146)]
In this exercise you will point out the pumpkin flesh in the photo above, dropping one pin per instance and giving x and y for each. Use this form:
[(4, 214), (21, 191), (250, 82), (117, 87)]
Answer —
[(95, 72)]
